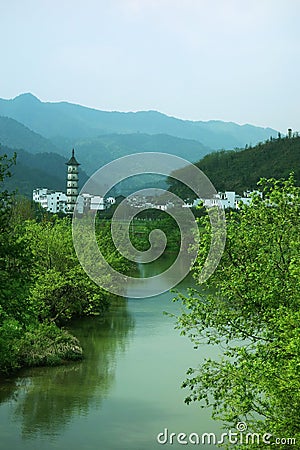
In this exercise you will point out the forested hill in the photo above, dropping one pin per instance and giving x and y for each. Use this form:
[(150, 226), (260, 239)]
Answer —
[(239, 170)]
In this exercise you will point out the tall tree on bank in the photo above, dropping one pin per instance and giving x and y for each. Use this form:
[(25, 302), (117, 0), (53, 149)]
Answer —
[(252, 312), (42, 284), (14, 275)]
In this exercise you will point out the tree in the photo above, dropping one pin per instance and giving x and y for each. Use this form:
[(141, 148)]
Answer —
[(14, 273), (42, 284), (5, 196), (250, 307), (61, 289), (14, 276)]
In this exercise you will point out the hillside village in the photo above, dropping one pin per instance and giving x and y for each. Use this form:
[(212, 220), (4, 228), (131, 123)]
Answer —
[(55, 201), (66, 202)]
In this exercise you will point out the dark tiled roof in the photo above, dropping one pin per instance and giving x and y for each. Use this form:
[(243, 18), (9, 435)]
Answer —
[(72, 161)]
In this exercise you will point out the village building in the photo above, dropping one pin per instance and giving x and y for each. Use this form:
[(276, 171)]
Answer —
[(52, 201)]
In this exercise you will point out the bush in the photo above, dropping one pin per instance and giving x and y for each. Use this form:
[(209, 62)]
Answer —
[(48, 345), (10, 335)]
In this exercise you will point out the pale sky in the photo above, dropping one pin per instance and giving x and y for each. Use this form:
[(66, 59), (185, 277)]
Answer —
[(232, 60)]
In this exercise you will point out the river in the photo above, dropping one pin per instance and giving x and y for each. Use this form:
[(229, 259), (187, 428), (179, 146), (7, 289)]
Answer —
[(121, 396)]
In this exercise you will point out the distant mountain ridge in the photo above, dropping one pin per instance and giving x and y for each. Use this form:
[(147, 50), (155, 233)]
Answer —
[(76, 122), (94, 153), (13, 134)]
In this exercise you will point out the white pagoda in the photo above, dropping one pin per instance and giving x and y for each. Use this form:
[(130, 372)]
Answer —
[(72, 183)]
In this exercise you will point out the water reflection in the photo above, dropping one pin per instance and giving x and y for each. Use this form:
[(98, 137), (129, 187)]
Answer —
[(48, 398), (152, 279)]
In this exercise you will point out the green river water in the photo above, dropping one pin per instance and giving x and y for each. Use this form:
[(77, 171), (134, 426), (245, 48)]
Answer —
[(125, 391)]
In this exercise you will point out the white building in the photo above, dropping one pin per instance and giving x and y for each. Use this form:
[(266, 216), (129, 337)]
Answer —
[(229, 199), (97, 203), (52, 201), (225, 199), (56, 201), (89, 202), (194, 204), (39, 195)]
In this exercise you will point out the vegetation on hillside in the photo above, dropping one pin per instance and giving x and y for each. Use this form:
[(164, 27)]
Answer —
[(239, 170)]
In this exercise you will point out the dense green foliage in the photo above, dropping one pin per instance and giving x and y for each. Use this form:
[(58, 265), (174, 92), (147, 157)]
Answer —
[(42, 283), (239, 170), (250, 308)]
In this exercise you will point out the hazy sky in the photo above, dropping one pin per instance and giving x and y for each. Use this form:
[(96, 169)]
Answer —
[(234, 60)]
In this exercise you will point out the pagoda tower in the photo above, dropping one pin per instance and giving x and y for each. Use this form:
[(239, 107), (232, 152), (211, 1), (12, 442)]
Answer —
[(72, 183)]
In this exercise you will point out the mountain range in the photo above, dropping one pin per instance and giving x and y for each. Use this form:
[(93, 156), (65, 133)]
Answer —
[(43, 132), (13, 134), (67, 120)]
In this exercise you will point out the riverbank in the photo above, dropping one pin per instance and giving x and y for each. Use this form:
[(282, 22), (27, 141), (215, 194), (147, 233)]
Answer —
[(123, 392), (43, 287)]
